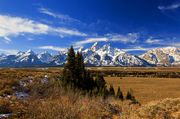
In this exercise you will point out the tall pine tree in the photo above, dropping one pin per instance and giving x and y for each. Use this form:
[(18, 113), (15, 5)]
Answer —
[(69, 76), (74, 72), (100, 82), (75, 75), (80, 69), (111, 91), (119, 94)]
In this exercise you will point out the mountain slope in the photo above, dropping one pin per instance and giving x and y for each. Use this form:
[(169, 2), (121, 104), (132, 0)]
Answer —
[(167, 56), (45, 57), (109, 56), (96, 55), (21, 59)]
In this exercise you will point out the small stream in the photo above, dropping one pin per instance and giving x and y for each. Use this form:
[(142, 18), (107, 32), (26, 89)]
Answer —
[(2, 116)]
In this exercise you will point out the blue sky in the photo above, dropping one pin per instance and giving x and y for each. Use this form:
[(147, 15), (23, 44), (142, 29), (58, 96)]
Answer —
[(132, 25)]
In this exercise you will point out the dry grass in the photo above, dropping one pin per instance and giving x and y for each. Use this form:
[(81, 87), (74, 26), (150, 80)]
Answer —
[(163, 109), (138, 69), (148, 89), (65, 107), (59, 103), (49, 101)]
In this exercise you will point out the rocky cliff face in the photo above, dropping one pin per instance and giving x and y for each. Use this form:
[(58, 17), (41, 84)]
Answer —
[(167, 56)]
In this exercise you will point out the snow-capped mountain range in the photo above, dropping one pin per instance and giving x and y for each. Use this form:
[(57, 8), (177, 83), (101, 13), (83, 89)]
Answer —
[(96, 55), (167, 56)]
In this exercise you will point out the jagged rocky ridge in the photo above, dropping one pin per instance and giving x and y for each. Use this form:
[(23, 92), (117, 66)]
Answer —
[(168, 56), (96, 55)]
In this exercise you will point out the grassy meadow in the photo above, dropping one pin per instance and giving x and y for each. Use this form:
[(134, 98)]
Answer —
[(147, 89), (159, 97)]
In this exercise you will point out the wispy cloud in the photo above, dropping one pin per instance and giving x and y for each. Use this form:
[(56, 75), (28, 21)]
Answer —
[(164, 42), (62, 17), (15, 26), (177, 44), (170, 7), (90, 40), (54, 48), (8, 51), (138, 48), (7, 40), (66, 32), (129, 38), (153, 41)]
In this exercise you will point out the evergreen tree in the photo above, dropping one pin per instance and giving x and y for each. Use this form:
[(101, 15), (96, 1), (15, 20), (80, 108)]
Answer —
[(89, 81), (75, 75), (111, 91), (80, 69), (100, 82), (104, 92), (100, 85), (129, 95), (71, 59), (74, 72), (119, 94), (70, 66)]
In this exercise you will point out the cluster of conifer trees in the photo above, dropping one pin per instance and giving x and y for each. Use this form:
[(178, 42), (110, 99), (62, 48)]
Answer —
[(76, 76)]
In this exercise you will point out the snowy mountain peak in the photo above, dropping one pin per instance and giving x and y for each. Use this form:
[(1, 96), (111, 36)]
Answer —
[(110, 56), (97, 55), (63, 51), (80, 49), (108, 49), (107, 46), (163, 56), (45, 57), (165, 49), (30, 52), (20, 53), (95, 46)]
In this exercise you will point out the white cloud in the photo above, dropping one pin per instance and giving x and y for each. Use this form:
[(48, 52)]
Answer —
[(8, 51), (170, 7), (57, 15), (138, 48), (7, 40), (153, 41), (65, 32), (177, 44), (91, 40), (129, 38), (168, 42), (52, 48), (15, 26)]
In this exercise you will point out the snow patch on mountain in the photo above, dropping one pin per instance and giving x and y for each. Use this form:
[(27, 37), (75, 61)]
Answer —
[(163, 56), (96, 55), (110, 56)]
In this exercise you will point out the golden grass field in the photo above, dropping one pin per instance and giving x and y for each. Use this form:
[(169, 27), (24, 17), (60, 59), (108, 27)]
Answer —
[(144, 88), (159, 97), (140, 69), (147, 89)]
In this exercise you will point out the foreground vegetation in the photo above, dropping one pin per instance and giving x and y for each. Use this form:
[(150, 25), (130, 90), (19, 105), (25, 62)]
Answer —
[(51, 100), (73, 94), (78, 93), (48, 100)]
